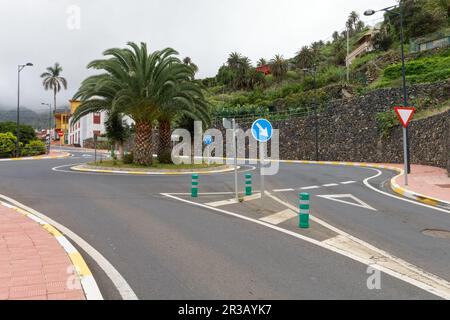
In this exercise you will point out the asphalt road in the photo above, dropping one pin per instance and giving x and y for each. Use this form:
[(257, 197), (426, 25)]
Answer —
[(166, 249)]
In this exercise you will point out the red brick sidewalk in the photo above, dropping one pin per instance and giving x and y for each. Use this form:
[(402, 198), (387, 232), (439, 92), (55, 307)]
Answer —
[(429, 181), (33, 265)]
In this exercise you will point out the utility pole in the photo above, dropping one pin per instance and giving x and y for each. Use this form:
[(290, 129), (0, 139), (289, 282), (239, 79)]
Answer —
[(20, 67), (346, 59)]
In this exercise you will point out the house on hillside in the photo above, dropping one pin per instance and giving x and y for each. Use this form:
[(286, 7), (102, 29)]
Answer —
[(265, 68), (431, 41), (363, 45)]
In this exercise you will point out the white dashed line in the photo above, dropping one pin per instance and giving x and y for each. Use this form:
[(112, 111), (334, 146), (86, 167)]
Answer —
[(330, 185), (348, 182), (310, 187), (283, 190)]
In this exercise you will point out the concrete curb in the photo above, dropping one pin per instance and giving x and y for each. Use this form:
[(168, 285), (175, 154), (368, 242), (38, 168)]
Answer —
[(416, 196), (64, 155), (82, 168), (88, 283)]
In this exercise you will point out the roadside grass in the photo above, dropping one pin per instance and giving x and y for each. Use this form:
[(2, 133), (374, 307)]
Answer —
[(155, 165)]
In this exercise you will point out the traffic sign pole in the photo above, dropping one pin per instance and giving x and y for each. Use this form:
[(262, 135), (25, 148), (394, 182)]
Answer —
[(236, 191), (261, 159), (405, 155), (405, 114)]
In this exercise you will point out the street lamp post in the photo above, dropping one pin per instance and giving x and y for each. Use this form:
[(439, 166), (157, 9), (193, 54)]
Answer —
[(313, 71), (49, 105), (405, 94), (20, 67)]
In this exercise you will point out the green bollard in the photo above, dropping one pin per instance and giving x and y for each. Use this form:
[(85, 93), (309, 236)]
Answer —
[(248, 184), (194, 186), (304, 211)]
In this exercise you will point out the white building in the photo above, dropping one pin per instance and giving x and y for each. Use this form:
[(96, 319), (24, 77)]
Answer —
[(87, 127)]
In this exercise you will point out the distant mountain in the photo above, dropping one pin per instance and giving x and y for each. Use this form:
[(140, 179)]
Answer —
[(38, 120)]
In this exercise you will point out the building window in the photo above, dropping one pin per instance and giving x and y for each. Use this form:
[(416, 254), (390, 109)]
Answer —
[(97, 117)]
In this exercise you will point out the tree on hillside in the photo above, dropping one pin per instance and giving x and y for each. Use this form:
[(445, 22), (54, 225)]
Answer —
[(261, 62), (141, 85), (304, 58), (335, 36), (278, 67), (54, 81), (188, 61)]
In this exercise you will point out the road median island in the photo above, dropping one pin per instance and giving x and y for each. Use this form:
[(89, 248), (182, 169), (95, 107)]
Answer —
[(140, 170)]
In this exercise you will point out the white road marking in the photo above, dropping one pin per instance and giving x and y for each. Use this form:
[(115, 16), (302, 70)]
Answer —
[(338, 197), (330, 185), (382, 261), (119, 282), (283, 190), (310, 188), (348, 182), (221, 203), (366, 182), (233, 200), (280, 217)]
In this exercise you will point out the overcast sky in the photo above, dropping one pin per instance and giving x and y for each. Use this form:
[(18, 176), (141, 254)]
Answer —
[(38, 31)]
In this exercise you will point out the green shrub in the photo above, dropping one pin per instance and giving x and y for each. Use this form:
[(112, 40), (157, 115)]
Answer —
[(7, 144), (34, 148), (128, 158), (386, 121)]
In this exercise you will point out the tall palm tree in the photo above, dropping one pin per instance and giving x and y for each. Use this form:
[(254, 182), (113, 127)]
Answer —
[(54, 81), (278, 67), (140, 85), (234, 60)]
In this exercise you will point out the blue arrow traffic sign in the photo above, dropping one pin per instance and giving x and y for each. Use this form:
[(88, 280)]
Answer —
[(207, 140), (262, 130)]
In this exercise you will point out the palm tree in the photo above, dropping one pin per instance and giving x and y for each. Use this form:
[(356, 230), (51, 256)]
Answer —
[(198, 109), (234, 60), (353, 18), (304, 58), (261, 62), (335, 36), (140, 85), (188, 61), (278, 67), (54, 81)]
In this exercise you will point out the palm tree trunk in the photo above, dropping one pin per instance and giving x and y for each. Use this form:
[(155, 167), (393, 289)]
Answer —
[(54, 112), (143, 143), (164, 147)]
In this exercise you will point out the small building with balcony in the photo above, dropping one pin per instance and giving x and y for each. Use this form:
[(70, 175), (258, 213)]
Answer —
[(363, 45)]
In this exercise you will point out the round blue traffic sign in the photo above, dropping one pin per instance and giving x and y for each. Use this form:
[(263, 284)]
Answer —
[(207, 140), (262, 130)]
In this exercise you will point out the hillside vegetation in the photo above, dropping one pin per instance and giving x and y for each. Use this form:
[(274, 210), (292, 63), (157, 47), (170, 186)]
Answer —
[(239, 90)]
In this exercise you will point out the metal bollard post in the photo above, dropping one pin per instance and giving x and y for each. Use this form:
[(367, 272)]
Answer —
[(194, 186), (304, 211), (248, 184)]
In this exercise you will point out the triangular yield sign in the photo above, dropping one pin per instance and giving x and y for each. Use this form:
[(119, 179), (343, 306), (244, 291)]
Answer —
[(404, 114), (338, 197)]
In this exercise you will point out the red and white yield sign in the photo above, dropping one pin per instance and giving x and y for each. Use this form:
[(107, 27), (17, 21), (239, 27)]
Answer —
[(404, 114)]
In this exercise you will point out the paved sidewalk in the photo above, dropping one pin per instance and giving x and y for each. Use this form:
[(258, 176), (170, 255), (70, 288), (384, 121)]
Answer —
[(33, 265), (426, 180)]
